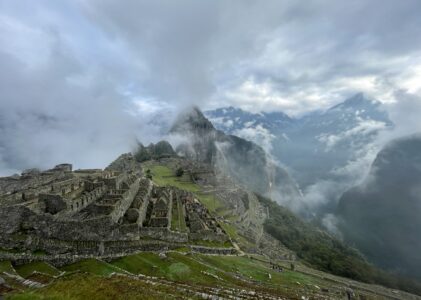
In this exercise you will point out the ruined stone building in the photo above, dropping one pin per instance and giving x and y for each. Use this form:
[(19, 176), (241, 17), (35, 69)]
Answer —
[(96, 211)]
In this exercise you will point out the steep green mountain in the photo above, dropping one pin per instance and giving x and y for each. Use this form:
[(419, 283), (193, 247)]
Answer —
[(245, 161), (154, 151), (325, 252), (382, 215)]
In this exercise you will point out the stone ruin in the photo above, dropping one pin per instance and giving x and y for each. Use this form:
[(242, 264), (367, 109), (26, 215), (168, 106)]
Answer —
[(97, 212)]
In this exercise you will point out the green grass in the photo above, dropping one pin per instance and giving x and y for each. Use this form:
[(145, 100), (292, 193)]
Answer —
[(92, 266), (164, 176), (176, 266), (6, 266), (212, 203), (258, 271), (42, 267), (194, 269), (230, 230), (85, 286), (178, 222)]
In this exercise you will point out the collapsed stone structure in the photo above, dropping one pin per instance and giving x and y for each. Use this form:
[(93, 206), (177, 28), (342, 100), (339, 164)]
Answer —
[(98, 212)]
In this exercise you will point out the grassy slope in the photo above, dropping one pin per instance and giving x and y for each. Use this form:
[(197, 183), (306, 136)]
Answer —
[(87, 286), (313, 246), (196, 270), (6, 266), (92, 266), (325, 252), (42, 267), (176, 266)]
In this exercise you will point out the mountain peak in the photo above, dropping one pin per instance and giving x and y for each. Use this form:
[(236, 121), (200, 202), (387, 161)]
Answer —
[(192, 120), (359, 100)]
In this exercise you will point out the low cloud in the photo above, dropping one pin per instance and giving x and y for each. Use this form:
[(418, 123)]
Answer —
[(78, 77)]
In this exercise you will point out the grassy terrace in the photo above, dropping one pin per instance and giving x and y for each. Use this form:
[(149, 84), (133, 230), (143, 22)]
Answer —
[(92, 266), (87, 286), (91, 279), (164, 176), (41, 267), (6, 266), (178, 222), (194, 271)]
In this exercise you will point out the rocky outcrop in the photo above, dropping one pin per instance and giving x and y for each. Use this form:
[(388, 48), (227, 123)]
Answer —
[(244, 160), (154, 151)]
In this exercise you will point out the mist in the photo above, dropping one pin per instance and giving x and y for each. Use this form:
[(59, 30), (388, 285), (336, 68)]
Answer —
[(83, 81)]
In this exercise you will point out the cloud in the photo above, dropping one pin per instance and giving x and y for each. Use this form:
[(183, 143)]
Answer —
[(58, 110), (258, 134), (81, 75), (289, 55), (363, 127)]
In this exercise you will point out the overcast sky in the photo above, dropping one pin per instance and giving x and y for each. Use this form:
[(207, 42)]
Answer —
[(79, 78)]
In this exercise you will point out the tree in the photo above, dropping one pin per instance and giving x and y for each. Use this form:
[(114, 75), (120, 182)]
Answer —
[(179, 172)]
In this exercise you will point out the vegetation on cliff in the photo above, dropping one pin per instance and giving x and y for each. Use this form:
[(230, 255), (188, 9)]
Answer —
[(324, 252)]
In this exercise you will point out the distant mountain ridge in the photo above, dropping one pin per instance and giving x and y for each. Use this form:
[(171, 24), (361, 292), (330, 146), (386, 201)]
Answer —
[(317, 146)]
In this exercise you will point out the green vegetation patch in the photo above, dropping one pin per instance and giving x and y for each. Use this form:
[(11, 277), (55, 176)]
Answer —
[(178, 222), (212, 203), (86, 286), (92, 266), (42, 267), (164, 176), (325, 252), (6, 266), (175, 266)]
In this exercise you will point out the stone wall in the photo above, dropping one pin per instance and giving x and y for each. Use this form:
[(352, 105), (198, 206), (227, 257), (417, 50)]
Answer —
[(125, 202), (208, 235), (110, 251), (215, 251), (88, 198), (163, 234)]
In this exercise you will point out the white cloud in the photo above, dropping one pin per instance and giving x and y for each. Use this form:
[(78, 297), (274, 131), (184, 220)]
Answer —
[(79, 60), (258, 134), (363, 128)]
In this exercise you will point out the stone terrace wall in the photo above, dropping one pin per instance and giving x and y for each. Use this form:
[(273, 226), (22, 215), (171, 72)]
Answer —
[(163, 234), (111, 252), (125, 202), (208, 235), (215, 251)]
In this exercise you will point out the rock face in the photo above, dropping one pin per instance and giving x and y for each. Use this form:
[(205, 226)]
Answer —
[(246, 161), (154, 151), (382, 216)]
